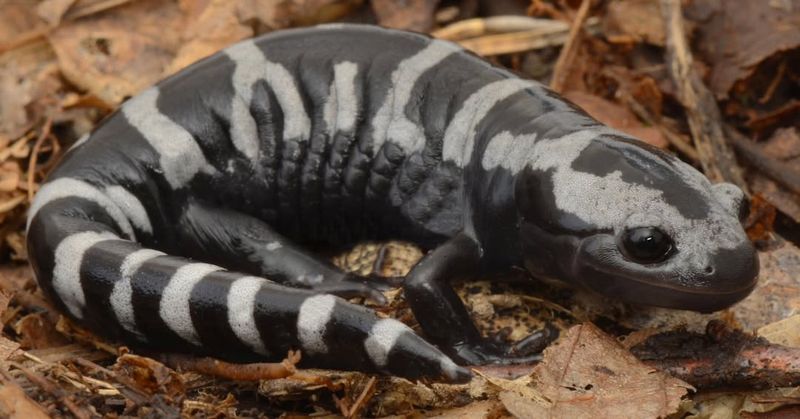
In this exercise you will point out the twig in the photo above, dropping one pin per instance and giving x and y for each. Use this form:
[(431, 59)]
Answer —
[(13, 399), (773, 84), (716, 156), (56, 391), (674, 139), (35, 155), (481, 35), (570, 50), (361, 401), (237, 372), (129, 390), (471, 28), (721, 358), (775, 169)]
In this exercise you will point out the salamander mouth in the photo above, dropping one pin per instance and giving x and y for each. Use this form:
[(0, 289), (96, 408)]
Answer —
[(600, 268)]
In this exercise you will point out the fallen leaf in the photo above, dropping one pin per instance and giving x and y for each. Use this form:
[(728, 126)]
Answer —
[(53, 10), (588, 374), (412, 15), (17, 18), (783, 332), (215, 25), (150, 375), (617, 117), (482, 409), (783, 145), (15, 404), (735, 36), (120, 52), (634, 21), (29, 81), (38, 332)]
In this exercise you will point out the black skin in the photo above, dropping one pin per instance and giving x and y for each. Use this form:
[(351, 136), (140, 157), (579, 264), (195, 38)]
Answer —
[(442, 314)]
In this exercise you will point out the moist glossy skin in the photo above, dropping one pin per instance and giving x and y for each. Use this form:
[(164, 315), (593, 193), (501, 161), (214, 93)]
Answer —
[(161, 227)]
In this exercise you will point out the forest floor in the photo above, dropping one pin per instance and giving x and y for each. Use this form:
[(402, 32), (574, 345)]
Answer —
[(717, 82)]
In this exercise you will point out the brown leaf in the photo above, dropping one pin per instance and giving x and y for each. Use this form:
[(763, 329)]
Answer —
[(29, 80), (16, 18), (616, 116), (784, 145), (413, 15), (735, 36), (634, 20), (38, 332), (588, 374), (15, 404), (120, 52), (53, 10), (150, 375), (215, 25)]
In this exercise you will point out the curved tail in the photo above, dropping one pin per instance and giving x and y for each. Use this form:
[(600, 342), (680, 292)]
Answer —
[(85, 257)]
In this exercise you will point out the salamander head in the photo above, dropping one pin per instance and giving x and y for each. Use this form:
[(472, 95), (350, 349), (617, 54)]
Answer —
[(631, 222)]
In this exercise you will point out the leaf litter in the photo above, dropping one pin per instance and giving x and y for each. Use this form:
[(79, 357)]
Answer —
[(64, 64)]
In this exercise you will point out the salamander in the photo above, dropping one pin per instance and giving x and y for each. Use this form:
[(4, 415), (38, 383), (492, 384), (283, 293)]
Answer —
[(184, 220)]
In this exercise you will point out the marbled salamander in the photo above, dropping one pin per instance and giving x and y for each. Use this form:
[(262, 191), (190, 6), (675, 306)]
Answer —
[(345, 132)]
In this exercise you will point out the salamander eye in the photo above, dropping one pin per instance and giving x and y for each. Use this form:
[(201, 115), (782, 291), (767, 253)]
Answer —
[(646, 244)]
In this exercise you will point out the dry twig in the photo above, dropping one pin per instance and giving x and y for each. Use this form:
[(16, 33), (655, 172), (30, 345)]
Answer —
[(570, 50), (722, 358), (775, 169), (237, 372), (716, 156)]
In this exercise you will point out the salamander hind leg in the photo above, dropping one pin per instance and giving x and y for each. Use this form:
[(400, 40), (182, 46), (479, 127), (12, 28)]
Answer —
[(445, 320), (239, 241)]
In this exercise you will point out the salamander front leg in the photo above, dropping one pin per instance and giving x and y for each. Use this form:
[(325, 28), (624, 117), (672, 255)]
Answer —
[(238, 241), (445, 320)]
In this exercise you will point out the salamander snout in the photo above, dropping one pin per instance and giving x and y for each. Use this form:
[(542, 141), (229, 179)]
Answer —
[(729, 276)]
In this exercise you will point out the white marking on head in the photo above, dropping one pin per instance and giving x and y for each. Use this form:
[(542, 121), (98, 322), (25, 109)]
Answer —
[(341, 107), (609, 202), (312, 321), (131, 207), (390, 122), (273, 246), (174, 307), (241, 311), (382, 337), (459, 138), (68, 187), (253, 65), (121, 294), (180, 157), (67, 270), (80, 142)]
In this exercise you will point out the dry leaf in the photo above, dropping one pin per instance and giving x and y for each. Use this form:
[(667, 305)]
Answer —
[(634, 21), (38, 332), (53, 10), (752, 31), (617, 117), (214, 25), (15, 404), (413, 15), (150, 375), (783, 332), (588, 374), (120, 52)]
